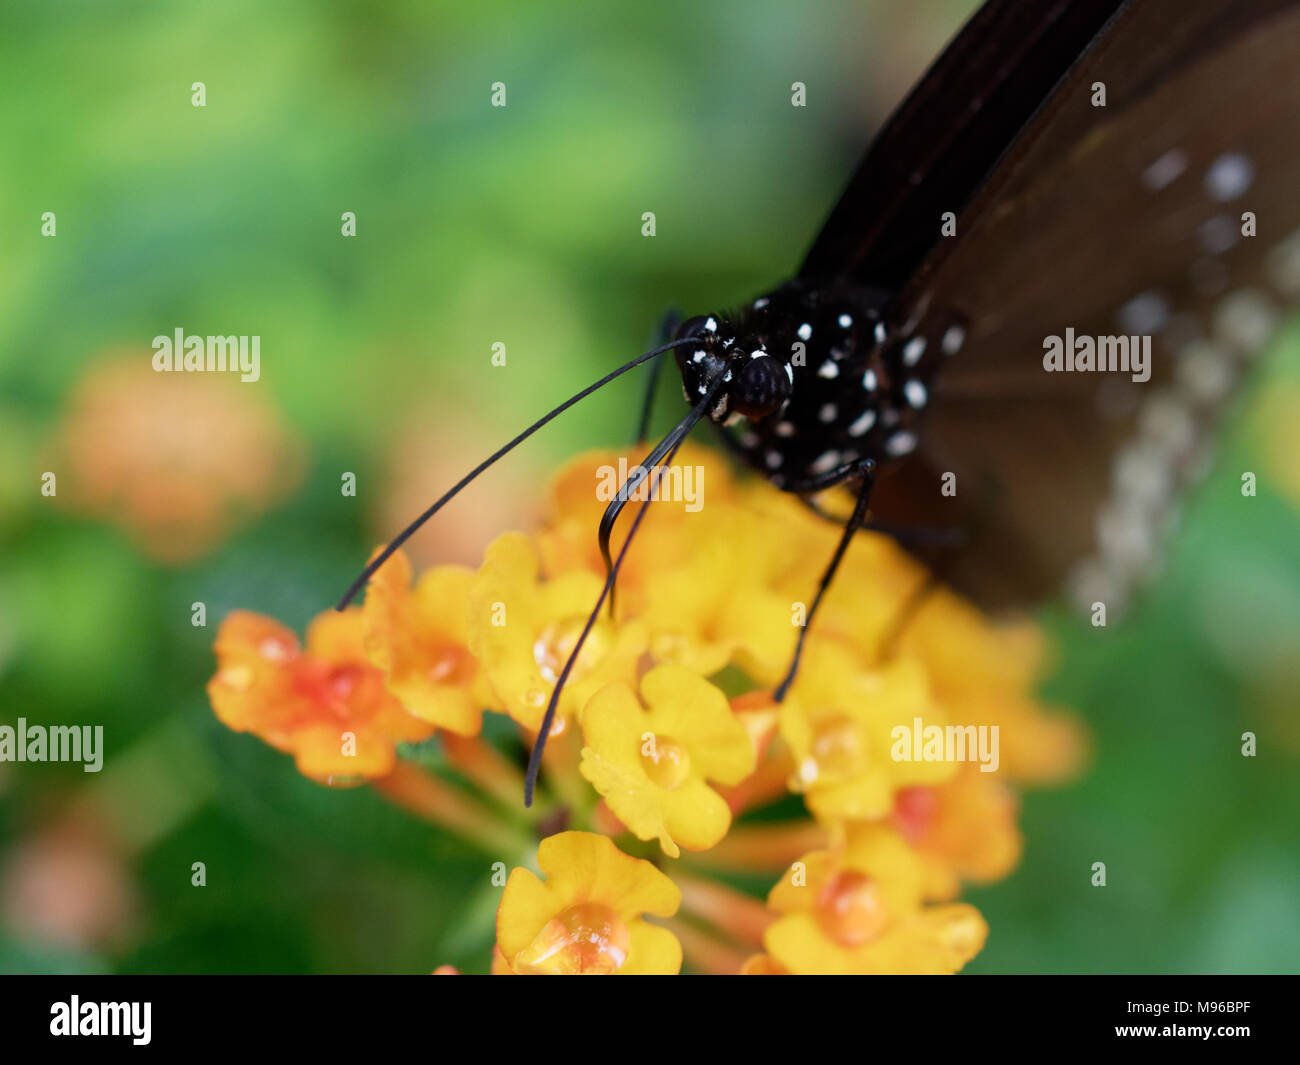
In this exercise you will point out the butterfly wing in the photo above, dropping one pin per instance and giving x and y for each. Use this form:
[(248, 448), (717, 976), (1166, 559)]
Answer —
[(1127, 219)]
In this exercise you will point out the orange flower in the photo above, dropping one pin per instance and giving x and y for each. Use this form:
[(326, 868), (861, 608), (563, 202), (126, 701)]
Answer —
[(963, 830), (858, 910), (177, 459), (586, 916), (419, 638), (327, 705), (763, 965)]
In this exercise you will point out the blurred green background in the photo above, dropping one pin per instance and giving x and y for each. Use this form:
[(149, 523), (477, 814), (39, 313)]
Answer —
[(521, 226)]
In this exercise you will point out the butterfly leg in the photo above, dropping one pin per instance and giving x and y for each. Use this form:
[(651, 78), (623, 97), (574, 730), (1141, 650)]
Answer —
[(866, 469), (667, 327)]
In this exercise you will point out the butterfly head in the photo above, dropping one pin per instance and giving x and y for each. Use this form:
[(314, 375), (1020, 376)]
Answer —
[(756, 382)]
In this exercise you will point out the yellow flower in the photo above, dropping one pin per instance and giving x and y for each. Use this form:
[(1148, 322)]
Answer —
[(839, 722), (586, 916), (651, 764), (522, 629), (858, 910), (782, 554), (685, 563), (419, 638)]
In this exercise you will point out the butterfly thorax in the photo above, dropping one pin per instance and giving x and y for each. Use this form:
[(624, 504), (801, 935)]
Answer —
[(816, 379)]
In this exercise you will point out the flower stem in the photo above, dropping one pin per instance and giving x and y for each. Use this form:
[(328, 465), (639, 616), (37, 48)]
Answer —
[(737, 914), (440, 803), (763, 847), (487, 767), (705, 951)]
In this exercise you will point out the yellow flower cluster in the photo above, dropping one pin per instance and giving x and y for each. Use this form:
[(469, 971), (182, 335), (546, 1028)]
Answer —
[(667, 741)]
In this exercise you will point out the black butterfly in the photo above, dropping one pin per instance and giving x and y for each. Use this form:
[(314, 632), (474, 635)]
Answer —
[(1104, 167)]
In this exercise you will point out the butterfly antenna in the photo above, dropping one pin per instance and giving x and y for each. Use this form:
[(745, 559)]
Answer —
[(669, 446), (411, 529), (634, 480)]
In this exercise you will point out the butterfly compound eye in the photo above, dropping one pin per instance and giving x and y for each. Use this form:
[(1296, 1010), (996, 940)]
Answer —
[(761, 388)]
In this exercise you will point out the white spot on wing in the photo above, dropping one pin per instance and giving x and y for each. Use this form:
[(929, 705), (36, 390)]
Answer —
[(1229, 176), (1283, 266), (913, 350), (1164, 170), (829, 369), (1218, 234), (1144, 314), (915, 394), (828, 413), (901, 443), (953, 339), (1245, 320)]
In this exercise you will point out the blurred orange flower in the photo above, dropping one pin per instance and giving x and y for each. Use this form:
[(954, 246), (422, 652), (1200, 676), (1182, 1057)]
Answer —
[(178, 460), (858, 910)]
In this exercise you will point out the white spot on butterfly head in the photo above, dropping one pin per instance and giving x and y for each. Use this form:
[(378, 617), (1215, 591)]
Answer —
[(825, 462), (710, 325), (761, 302), (863, 423), (1229, 176)]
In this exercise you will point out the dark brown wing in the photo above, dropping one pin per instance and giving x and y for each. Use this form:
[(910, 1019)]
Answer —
[(1117, 220), (943, 141)]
